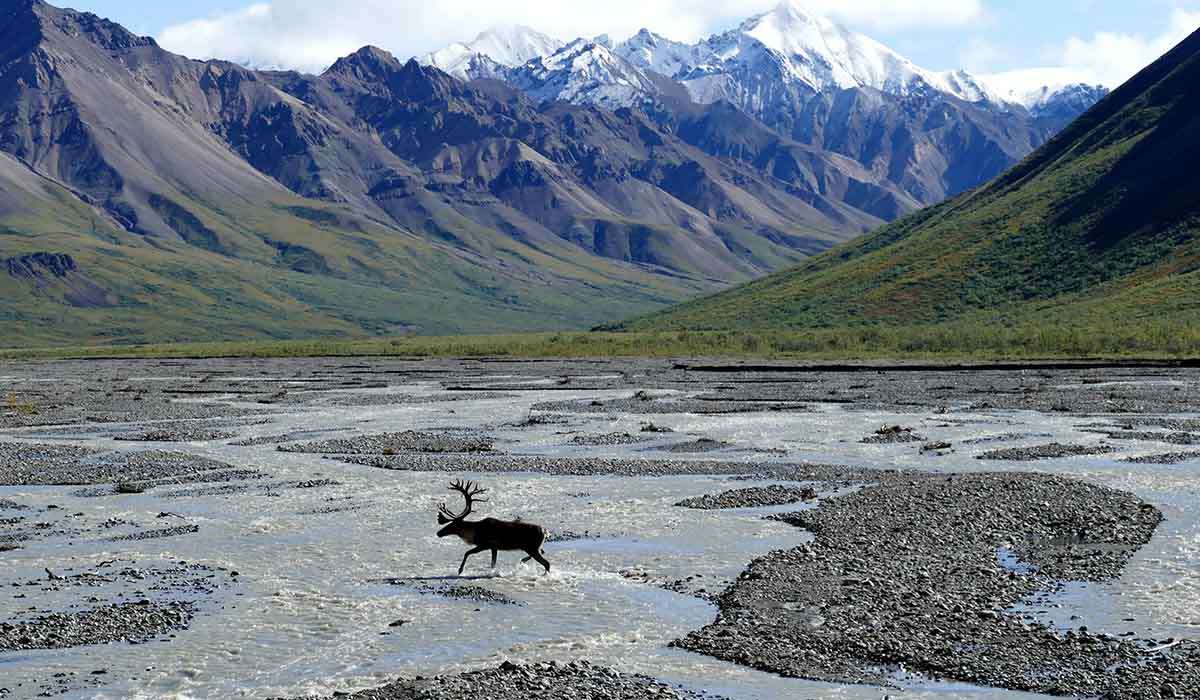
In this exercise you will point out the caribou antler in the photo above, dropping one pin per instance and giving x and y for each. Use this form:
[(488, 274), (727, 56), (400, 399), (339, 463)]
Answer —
[(470, 491)]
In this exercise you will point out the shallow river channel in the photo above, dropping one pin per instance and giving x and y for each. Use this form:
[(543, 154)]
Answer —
[(324, 572)]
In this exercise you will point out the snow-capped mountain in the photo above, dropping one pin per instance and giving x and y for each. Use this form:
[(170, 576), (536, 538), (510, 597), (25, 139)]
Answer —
[(798, 75), (1055, 99), (816, 52), (658, 53), (584, 72), (767, 56), (1066, 102), (492, 51)]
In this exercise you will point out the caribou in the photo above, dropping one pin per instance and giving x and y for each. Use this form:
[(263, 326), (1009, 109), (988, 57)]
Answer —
[(489, 533)]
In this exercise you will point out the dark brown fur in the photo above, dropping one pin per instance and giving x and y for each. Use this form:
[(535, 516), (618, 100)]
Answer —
[(490, 533)]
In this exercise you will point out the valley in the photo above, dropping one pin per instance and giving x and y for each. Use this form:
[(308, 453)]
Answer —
[(283, 511), (202, 200)]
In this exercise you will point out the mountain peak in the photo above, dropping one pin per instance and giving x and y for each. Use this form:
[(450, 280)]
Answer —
[(506, 45), (584, 72), (367, 62), (10, 7), (512, 33), (790, 17), (20, 27), (66, 24), (814, 50), (795, 11), (657, 53)]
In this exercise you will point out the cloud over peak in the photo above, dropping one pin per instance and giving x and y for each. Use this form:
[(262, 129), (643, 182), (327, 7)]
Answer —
[(306, 35), (1106, 58)]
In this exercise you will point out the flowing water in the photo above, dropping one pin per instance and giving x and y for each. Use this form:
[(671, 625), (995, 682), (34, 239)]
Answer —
[(323, 571)]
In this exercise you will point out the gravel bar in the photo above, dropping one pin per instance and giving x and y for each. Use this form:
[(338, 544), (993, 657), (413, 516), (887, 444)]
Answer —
[(905, 574), (756, 497), (389, 443), (128, 622), (577, 680), (1052, 451)]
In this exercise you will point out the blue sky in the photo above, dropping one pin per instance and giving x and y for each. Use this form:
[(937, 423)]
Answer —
[(1092, 40)]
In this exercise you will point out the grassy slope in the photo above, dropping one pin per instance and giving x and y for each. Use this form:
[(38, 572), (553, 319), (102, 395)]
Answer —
[(1100, 225), (372, 279)]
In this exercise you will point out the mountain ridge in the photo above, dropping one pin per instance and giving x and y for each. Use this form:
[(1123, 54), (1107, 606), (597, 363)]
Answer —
[(813, 48), (817, 83), (1100, 225), (205, 199)]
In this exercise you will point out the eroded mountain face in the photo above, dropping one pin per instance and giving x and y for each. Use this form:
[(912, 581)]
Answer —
[(1098, 228), (227, 198), (929, 135), (384, 178), (137, 130)]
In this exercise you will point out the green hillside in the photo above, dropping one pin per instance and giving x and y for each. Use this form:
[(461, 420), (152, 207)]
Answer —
[(281, 268), (1098, 226)]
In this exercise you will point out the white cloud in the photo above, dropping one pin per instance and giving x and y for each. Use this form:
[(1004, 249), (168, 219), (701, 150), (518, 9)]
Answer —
[(900, 14), (983, 55), (1107, 58), (307, 35)]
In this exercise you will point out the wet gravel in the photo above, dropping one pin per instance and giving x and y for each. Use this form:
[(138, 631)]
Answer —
[(157, 534), (696, 585), (756, 497), (893, 434), (1005, 437), (251, 482), (188, 434), (598, 466), (1053, 450), (277, 439), (534, 420), (608, 439), (395, 443), (94, 394), (127, 622), (1173, 438), (448, 588), (577, 680), (648, 405), (697, 446), (905, 575), (1183, 425), (110, 391), (569, 536), (1165, 458), (411, 400), (23, 464), (230, 478), (1053, 388)]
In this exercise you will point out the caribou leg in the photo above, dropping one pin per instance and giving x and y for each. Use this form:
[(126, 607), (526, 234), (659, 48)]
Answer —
[(494, 553), (476, 550), (535, 555)]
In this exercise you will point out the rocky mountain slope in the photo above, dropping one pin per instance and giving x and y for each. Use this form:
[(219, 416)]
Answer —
[(204, 199), (1099, 226), (930, 134)]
